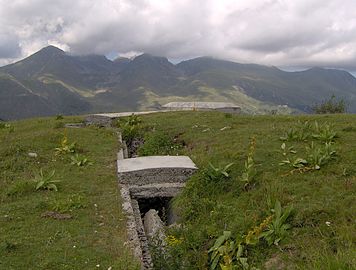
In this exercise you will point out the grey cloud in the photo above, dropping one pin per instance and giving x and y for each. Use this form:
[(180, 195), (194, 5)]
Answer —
[(273, 32), (9, 46)]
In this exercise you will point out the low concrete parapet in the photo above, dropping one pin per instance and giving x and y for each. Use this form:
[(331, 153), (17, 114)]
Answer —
[(155, 170), (106, 119)]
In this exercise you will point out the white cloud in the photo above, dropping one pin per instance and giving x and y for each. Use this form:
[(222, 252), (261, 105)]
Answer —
[(272, 32)]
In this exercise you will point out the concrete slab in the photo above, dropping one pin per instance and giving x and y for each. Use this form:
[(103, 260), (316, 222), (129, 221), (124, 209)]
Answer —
[(203, 106), (105, 119), (154, 162), (155, 169)]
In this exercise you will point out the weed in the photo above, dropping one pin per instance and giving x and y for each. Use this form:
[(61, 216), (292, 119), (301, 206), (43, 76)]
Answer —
[(69, 204), (217, 174), (294, 162), (324, 132), (300, 132), (45, 181), (286, 151), (59, 117), (319, 156), (65, 147), (254, 235), (227, 254), (80, 160), (10, 128), (57, 236), (249, 171), (278, 228)]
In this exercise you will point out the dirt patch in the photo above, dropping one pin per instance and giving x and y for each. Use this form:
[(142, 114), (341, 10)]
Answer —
[(275, 263)]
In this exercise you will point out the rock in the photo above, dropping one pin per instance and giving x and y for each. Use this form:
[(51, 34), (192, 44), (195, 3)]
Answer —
[(34, 155), (154, 227)]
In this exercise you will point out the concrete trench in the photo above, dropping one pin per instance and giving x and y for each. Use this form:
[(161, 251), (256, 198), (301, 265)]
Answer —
[(147, 184)]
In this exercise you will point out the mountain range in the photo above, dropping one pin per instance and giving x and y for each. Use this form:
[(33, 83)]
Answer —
[(52, 82)]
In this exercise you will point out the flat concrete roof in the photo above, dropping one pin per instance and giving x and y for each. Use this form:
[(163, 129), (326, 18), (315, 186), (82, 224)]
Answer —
[(154, 162), (123, 114), (200, 105)]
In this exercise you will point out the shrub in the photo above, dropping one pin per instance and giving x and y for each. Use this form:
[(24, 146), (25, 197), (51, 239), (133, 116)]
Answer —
[(158, 143), (332, 105), (130, 128)]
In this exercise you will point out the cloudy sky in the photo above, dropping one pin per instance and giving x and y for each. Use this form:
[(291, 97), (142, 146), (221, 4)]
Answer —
[(295, 33)]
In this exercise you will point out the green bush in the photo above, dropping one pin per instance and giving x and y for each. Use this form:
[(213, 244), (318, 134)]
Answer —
[(130, 128), (159, 143), (332, 105)]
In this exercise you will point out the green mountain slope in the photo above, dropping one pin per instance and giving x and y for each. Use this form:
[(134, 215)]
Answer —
[(57, 82)]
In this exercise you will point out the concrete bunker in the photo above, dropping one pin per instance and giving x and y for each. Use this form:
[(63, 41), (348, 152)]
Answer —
[(148, 185)]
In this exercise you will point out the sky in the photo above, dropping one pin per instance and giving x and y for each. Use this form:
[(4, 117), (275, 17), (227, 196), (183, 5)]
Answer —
[(284, 33)]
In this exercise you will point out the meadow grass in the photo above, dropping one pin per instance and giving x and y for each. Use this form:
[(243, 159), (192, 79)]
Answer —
[(323, 230), (94, 234), (322, 236)]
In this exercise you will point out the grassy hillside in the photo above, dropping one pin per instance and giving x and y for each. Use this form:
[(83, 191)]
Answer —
[(79, 227), (321, 227), (322, 222)]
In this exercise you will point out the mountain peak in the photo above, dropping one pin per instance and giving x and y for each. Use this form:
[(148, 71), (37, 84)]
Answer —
[(51, 49), (150, 57)]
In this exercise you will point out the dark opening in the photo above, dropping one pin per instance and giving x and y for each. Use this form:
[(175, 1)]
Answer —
[(161, 204)]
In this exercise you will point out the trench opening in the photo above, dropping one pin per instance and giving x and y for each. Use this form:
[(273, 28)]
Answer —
[(160, 204)]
